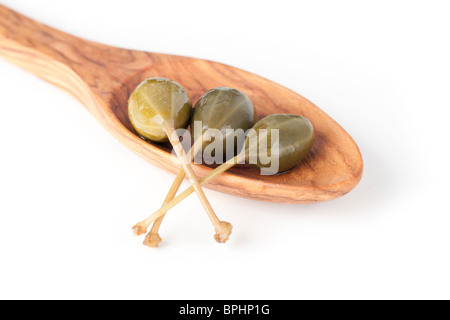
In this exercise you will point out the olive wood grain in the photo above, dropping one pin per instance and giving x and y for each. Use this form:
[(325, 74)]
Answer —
[(102, 77)]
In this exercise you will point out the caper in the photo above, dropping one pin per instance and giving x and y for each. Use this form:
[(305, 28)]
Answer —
[(223, 109), (156, 100), (295, 139)]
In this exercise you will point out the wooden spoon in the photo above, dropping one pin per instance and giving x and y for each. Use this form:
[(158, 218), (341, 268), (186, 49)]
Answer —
[(102, 77)]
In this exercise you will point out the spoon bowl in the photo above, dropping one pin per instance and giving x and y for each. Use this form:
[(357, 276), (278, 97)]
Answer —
[(102, 78)]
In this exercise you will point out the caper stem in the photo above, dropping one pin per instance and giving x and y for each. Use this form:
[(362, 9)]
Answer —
[(186, 165), (153, 239), (211, 175), (222, 228)]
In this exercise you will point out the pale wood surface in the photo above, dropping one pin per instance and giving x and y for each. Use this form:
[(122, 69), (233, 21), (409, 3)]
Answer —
[(102, 77)]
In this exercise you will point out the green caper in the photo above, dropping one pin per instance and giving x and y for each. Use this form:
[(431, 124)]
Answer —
[(156, 100), (295, 139), (223, 109)]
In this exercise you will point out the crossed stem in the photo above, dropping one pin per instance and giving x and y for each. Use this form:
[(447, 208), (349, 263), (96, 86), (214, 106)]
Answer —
[(222, 228)]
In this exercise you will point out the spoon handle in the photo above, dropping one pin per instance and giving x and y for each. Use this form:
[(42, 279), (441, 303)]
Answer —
[(45, 52), (89, 71)]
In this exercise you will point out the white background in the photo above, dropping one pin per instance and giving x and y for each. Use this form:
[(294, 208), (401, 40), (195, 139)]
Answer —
[(70, 193)]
